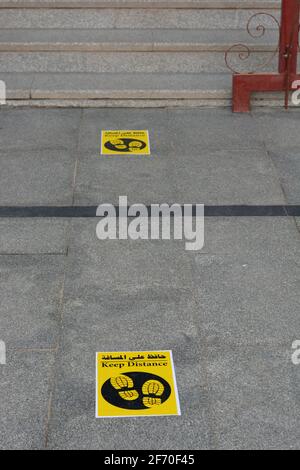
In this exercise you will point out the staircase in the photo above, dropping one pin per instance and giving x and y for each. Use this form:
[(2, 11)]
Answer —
[(127, 52)]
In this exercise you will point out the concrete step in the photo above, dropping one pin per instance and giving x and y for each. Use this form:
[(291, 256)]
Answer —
[(130, 62), (129, 90), (131, 40), (115, 86), (162, 4), (215, 19), (128, 53)]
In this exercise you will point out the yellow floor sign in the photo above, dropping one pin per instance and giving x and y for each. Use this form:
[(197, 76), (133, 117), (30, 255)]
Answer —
[(125, 143), (136, 384)]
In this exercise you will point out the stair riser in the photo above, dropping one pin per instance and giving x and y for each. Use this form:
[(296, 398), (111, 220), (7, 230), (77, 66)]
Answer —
[(127, 47), (130, 19), (260, 102), (147, 62), (32, 54), (146, 4)]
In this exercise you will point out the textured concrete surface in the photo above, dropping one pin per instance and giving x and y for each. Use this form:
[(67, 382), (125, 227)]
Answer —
[(31, 300), (24, 389), (129, 86), (27, 236), (130, 18), (140, 3), (138, 62), (254, 396), (39, 130), (18, 176), (129, 40), (139, 90), (96, 43), (18, 85), (229, 313)]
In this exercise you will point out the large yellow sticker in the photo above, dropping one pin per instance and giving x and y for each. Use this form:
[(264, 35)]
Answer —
[(136, 384), (125, 143)]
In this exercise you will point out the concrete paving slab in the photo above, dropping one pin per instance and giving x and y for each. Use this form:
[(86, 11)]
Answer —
[(279, 129), (73, 424), (209, 177), (24, 390), (33, 236), (156, 121), (126, 265), (36, 177), (254, 236), (142, 179), (30, 289), (152, 317), (287, 164), (132, 304), (198, 130), (225, 176), (249, 299), (254, 391), (176, 131), (27, 129), (102, 177)]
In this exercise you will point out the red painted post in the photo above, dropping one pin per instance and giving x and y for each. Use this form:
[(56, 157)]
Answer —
[(289, 35), (245, 83)]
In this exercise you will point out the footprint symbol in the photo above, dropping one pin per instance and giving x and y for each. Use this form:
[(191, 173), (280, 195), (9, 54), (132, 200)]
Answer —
[(123, 383), (152, 391)]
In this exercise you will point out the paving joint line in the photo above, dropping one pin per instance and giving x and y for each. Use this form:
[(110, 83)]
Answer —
[(53, 377)]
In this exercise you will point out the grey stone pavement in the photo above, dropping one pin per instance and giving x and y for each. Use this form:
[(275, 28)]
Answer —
[(229, 313)]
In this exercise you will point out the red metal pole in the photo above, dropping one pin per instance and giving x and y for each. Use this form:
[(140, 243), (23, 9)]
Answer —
[(289, 35), (245, 84), (288, 50)]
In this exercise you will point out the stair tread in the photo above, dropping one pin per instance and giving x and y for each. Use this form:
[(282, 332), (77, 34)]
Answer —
[(129, 90), (140, 4), (127, 40), (112, 85)]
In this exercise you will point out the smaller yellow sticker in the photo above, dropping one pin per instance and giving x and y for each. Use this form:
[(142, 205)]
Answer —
[(125, 143), (135, 384)]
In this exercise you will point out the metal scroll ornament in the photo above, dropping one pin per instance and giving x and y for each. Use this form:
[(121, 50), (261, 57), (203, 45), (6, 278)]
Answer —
[(243, 52)]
